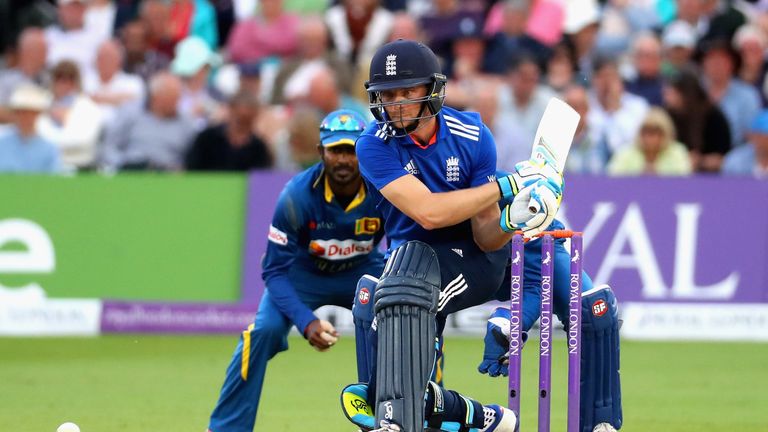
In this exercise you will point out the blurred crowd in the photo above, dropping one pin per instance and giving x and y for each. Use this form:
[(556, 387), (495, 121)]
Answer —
[(664, 87)]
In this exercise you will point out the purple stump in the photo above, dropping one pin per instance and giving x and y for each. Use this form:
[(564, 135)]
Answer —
[(516, 323), (574, 334), (545, 322)]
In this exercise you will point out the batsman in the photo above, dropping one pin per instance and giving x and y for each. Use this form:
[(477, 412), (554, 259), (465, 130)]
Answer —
[(431, 170)]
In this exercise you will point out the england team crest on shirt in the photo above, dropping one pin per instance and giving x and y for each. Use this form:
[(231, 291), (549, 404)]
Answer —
[(452, 169)]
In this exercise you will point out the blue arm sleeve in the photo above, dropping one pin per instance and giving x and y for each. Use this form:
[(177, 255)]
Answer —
[(282, 247), (484, 162), (379, 163)]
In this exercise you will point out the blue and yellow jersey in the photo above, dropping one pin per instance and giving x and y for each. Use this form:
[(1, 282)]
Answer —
[(462, 154), (311, 234)]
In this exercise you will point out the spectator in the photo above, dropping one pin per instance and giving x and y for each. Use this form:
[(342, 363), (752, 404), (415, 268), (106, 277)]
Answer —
[(692, 13), (273, 32), (486, 103), (293, 77), (15, 16), (155, 15), (751, 42), (22, 150), (250, 78), (654, 151), (30, 68), (296, 148), (542, 20), (231, 146), (193, 18), (561, 67), (613, 112), (513, 40), (156, 137), (589, 154), (751, 159), (520, 110), (70, 39), (193, 63), (699, 123), (110, 87), (73, 122), (582, 22), (467, 54), (225, 19), (721, 19), (620, 20), (739, 101), (678, 42), (646, 58), (405, 26), (325, 96), (100, 18), (140, 59), (447, 19), (466, 65), (358, 28)]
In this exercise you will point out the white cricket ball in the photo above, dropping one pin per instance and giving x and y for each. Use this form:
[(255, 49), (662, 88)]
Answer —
[(68, 427)]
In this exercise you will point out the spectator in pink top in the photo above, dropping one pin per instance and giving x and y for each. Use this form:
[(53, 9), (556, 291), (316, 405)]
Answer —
[(272, 32)]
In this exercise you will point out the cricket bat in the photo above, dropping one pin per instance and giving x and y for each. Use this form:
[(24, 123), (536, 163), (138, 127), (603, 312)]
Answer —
[(554, 137), (555, 133)]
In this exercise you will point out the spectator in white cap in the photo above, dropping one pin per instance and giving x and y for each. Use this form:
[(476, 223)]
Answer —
[(22, 150), (193, 63), (678, 43), (70, 39), (30, 51), (751, 42), (582, 23)]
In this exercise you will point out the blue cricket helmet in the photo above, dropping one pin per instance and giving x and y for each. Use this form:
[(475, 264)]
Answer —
[(405, 64), (341, 127)]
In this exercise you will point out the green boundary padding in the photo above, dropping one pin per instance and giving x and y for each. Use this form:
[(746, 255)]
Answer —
[(175, 237)]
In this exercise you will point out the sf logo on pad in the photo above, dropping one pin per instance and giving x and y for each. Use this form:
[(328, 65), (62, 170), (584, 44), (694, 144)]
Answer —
[(599, 308), (364, 296)]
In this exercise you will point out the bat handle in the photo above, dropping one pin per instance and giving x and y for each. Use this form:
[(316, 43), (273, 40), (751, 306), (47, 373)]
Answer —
[(533, 206)]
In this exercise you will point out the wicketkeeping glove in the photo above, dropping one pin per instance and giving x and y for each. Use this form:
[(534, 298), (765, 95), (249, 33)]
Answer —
[(496, 351)]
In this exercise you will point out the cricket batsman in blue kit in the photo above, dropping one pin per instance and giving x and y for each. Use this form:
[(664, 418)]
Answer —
[(431, 170), (323, 238)]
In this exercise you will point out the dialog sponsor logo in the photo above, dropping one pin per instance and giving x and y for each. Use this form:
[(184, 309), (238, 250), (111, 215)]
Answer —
[(339, 249), (277, 236)]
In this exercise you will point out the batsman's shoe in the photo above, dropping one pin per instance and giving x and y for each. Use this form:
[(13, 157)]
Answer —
[(354, 404), (499, 419)]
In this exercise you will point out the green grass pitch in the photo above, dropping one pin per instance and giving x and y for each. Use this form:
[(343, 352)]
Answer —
[(139, 383)]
